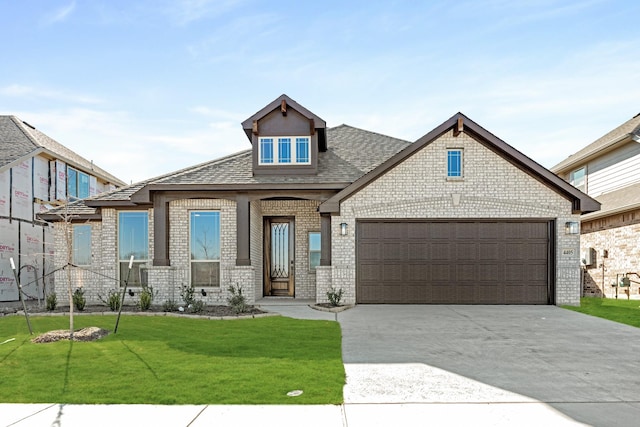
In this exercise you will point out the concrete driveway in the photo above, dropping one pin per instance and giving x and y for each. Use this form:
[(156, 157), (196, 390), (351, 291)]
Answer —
[(520, 365)]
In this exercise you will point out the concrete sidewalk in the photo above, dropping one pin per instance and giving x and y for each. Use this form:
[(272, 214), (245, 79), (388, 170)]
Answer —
[(391, 380)]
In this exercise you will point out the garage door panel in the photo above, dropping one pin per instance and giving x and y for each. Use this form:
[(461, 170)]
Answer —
[(441, 251), (393, 251), (454, 262), (370, 271), (417, 251), (369, 251), (466, 273), (466, 251)]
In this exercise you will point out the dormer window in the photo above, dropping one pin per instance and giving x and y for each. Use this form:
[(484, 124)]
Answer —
[(284, 150)]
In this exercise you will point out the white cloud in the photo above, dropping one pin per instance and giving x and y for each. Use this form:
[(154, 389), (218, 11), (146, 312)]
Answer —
[(133, 149), (60, 14)]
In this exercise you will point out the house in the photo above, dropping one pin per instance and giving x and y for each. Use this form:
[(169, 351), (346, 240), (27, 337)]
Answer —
[(457, 216), (608, 170), (36, 173)]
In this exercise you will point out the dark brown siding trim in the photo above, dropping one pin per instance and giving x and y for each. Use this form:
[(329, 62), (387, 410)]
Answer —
[(243, 224), (224, 191), (325, 239), (160, 231)]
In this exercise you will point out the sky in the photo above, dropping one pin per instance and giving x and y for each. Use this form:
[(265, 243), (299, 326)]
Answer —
[(144, 88)]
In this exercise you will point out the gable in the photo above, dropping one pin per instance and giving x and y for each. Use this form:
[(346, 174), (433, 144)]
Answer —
[(490, 186), (286, 139), (460, 125)]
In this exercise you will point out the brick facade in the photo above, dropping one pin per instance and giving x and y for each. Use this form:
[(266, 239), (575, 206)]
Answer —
[(491, 188), (618, 235)]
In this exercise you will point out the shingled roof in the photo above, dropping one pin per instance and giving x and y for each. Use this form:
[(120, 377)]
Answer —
[(351, 153), (628, 130), (19, 140)]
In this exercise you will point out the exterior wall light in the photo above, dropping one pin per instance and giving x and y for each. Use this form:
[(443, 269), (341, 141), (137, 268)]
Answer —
[(343, 229), (572, 227)]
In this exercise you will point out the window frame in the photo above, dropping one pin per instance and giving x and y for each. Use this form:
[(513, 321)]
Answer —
[(193, 261), (79, 246), (310, 251), (139, 274), (78, 184), (572, 180), (455, 173), (280, 156)]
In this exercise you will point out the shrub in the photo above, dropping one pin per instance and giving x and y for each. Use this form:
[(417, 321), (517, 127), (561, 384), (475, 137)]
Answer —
[(112, 301), (237, 301), (335, 296), (187, 294), (146, 296), (169, 305), (197, 306), (51, 301), (79, 301)]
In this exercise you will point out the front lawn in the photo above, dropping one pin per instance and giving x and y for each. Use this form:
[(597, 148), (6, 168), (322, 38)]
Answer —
[(618, 310), (169, 360)]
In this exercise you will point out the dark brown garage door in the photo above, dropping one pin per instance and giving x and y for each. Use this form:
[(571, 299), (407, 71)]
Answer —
[(461, 262)]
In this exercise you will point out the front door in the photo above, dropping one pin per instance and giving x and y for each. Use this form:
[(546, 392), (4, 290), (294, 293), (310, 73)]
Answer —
[(279, 256)]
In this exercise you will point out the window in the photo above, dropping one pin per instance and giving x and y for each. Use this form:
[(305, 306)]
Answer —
[(77, 184), (314, 250), (133, 239), (72, 183), (81, 244), (454, 163), (286, 151), (302, 150), (577, 179), (205, 248), (266, 150)]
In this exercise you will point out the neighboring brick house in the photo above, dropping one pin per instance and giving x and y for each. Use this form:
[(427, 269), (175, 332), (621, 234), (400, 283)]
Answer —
[(36, 173), (608, 170), (458, 216)]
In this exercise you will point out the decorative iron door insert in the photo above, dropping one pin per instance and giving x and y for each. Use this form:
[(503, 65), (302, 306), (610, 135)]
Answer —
[(279, 259)]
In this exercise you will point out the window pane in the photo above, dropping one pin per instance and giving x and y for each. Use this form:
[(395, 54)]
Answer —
[(302, 150), (284, 150), (205, 235), (137, 277), (81, 245), (72, 183), (314, 260), (314, 241), (454, 163), (205, 273), (133, 235), (83, 185), (266, 150), (577, 178), (314, 250)]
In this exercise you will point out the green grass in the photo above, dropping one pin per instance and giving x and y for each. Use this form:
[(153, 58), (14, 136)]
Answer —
[(619, 310), (169, 360)]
